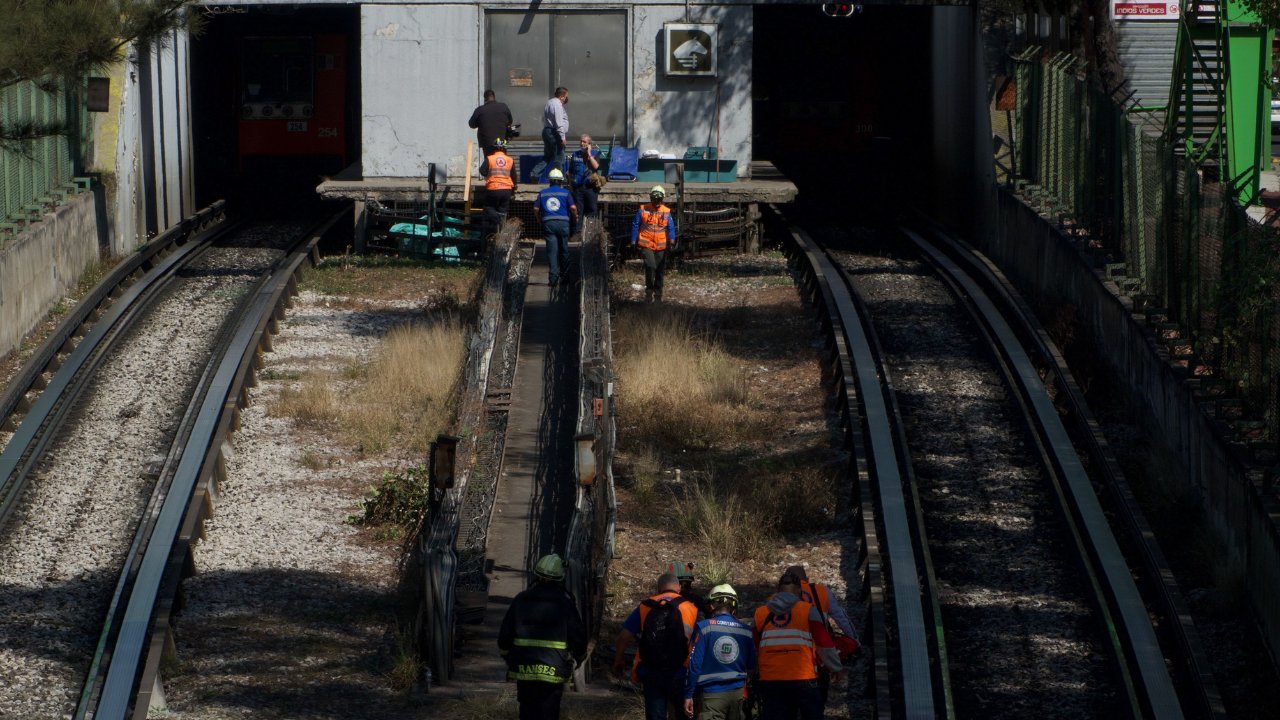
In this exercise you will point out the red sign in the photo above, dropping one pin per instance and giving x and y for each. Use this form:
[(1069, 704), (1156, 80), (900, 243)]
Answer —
[(1145, 10)]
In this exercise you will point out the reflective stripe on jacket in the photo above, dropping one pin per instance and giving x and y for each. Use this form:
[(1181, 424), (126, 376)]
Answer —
[(541, 635), (820, 596), (653, 229), (785, 644), (723, 652), (499, 177)]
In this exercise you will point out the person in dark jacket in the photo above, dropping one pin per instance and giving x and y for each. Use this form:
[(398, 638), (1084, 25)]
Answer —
[(542, 639), (490, 121)]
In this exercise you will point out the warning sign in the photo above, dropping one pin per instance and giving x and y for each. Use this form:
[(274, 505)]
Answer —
[(522, 77), (691, 49), (1144, 10)]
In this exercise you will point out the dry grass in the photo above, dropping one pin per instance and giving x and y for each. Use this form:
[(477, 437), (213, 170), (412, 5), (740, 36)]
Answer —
[(680, 388), (406, 666), (403, 396), (728, 529)]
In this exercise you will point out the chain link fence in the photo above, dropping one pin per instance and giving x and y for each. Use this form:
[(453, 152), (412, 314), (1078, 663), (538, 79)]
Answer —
[(1167, 231)]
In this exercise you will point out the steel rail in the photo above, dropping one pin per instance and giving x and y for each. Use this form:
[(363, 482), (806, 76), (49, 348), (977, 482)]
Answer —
[(860, 381), (93, 305), (1196, 667), (942, 671), (128, 574), (1130, 629), (39, 427), (190, 496)]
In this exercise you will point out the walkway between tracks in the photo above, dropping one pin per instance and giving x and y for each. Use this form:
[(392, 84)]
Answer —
[(536, 491)]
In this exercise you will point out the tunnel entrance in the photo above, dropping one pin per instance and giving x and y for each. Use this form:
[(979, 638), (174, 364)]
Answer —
[(276, 105), (841, 105)]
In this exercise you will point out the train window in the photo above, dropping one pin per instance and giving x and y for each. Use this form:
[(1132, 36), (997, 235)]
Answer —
[(278, 70)]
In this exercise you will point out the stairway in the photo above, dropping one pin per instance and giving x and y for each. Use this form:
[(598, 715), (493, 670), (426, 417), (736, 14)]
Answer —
[(1207, 70), (1147, 50)]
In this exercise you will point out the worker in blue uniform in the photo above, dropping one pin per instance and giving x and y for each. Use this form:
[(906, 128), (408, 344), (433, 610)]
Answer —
[(583, 165), (722, 654), (556, 211)]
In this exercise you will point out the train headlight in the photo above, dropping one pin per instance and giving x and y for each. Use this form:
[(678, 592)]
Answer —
[(246, 111), (287, 111), (267, 111), (840, 9), (307, 110)]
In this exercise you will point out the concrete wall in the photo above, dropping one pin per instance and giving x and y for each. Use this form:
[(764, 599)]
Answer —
[(41, 265), (406, 125), (440, 46), (1046, 266), (670, 114), (143, 144)]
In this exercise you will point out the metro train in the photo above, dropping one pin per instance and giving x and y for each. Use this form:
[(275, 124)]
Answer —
[(292, 96)]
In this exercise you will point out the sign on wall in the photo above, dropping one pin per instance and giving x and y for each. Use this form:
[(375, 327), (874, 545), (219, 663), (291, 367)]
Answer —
[(1166, 10), (691, 49)]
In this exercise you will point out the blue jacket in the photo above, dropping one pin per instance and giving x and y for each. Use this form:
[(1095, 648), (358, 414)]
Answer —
[(578, 169), (722, 652), (554, 203)]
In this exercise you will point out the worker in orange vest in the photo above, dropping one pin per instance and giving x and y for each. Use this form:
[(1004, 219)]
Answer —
[(664, 624), (655, 232), (499, 184), (833, 617), (791, 643)]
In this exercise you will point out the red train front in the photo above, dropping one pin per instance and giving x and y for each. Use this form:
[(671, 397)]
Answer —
[(292, 96)]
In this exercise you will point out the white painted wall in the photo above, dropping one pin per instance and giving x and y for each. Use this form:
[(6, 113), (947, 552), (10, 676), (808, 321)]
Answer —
[(419, 74), (671, 114)]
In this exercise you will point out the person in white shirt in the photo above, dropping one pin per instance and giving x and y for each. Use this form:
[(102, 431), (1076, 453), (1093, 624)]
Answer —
[(555, 128)]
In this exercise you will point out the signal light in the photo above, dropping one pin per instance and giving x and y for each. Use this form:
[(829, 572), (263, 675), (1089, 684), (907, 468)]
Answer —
[(840, 9)]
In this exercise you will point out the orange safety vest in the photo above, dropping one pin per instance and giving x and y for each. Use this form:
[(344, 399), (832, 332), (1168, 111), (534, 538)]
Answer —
[(818, 596), (784, 645), (500, 166), (688, 612), (653, 227)]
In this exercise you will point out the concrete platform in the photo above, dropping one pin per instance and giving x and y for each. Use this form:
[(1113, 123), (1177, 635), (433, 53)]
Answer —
[(766, 186)]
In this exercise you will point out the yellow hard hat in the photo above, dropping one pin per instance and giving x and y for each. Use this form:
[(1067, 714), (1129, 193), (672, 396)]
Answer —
[(657, 191), (723, 592), (555, 174), (550, 567)]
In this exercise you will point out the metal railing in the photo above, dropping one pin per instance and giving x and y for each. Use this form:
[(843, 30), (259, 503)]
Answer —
[(37, 175), (590, 542), (1165, 229)]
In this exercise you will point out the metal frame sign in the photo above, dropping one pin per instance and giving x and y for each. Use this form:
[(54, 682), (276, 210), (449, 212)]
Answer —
[(1144, 9), (692, 49)]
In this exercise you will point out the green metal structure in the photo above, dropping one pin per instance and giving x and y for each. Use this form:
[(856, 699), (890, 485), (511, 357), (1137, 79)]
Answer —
[(1219, 113)]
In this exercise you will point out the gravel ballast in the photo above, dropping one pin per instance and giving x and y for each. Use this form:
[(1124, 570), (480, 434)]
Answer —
[(1021, 635), (61, 552)]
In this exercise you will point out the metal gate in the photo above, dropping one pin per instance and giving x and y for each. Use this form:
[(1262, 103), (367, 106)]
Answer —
[(529, 55)]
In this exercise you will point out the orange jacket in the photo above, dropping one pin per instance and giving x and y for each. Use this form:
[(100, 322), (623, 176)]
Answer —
[(500, 167), (653, 229), (791, 640), (688, 612), (818, 596)]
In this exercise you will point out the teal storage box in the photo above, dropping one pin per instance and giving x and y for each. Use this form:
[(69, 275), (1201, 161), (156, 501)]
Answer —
[(700, 153), (651, 170), (704, 171)]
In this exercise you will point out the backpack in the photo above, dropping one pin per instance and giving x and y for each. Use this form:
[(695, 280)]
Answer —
[(663, 645)]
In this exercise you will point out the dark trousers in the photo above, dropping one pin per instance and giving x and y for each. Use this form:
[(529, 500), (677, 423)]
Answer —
[(556, 233), (552, 153), (496, 205), (659, 692), (655, 267), (585, 197), (784, 698), (539, 700)]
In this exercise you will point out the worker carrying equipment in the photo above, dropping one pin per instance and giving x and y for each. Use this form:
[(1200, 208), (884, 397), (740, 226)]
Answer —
[(542, 638), (684, 573), (833, 617), (664, 623), (792, 642), (654, 232), (723, 653)]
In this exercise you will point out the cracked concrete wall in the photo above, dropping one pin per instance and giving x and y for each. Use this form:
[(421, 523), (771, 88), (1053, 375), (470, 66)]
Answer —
[(420, 74), (671, 114)]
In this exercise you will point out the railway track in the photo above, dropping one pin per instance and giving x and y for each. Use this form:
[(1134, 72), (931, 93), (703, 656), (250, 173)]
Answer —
[(1036, 476), (118, 427)]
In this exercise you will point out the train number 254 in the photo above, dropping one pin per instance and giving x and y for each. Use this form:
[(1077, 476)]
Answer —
[(327, 131)]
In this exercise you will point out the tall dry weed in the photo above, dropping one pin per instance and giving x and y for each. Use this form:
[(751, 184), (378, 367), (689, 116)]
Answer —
[(680, 388), (313, 403), (726, 527)]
